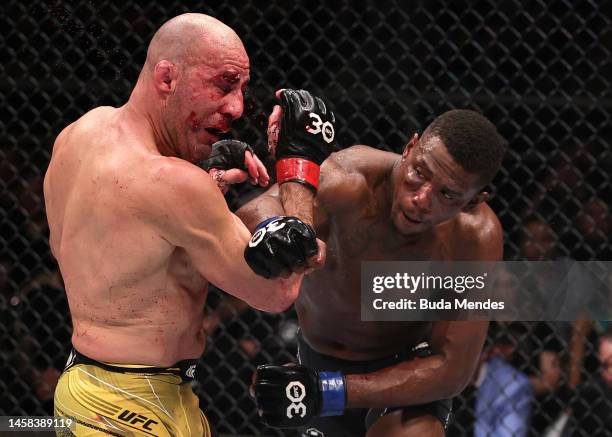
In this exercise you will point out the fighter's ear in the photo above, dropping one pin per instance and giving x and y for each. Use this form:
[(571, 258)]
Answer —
[(483, 196), (164, 76), (410, 145)]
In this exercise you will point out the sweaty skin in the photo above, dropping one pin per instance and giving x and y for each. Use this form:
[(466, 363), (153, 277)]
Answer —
[(137, 229), (375, 205)]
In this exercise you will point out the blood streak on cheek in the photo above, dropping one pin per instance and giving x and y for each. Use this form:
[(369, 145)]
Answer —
[(251, 111), (193, 122)]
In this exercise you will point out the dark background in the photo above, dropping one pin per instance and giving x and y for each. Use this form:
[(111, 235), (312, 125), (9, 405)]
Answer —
[(540, 70)]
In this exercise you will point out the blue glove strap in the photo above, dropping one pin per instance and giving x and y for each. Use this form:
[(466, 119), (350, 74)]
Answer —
[(333, 393), (266, 221)]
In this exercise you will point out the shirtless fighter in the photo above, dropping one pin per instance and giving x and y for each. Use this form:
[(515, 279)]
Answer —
[(386, 378), (139, 231)]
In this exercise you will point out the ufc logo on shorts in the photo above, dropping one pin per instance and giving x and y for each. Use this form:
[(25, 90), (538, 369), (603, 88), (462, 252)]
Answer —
[(137, 419), (70, 360), (295, 392), (270, 227), (318, 126)]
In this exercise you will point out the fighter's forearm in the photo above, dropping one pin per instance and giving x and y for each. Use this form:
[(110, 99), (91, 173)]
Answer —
[(412, 382), (297, 200), (294, 199), (259, 209), (329, 392)]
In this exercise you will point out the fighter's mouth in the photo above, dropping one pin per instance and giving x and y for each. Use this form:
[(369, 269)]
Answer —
[(411, 220), (216, 131)]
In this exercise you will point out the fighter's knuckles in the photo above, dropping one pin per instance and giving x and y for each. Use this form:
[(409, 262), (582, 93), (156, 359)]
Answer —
[(266, 371), (321, 105), (306, 100), (286, 96), (310, 131)]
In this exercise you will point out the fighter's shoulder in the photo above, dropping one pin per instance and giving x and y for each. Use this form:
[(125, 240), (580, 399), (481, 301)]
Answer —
[(366, 163), (175, 176), (86, 126), (482, 236), (346, 176), (363, 160), (177, 198), (91, 120), (172, 186)]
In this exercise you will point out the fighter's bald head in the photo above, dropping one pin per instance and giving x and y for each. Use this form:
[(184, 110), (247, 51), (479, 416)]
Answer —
[(189, 37)]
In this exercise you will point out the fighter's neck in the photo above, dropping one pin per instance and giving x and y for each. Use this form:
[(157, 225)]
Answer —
[(148, 116), (384, 187)]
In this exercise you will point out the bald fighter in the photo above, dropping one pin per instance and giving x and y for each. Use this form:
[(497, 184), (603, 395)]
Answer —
[(386, 378), (139, 231)]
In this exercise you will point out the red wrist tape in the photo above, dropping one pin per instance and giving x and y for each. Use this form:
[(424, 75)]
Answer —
[(298, 170)]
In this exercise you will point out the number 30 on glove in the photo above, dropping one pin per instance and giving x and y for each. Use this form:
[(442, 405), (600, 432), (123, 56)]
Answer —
[(290, 396), (306, 138)]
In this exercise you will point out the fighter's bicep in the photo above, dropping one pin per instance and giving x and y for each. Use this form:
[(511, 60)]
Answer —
[(219, 255), (460, 342), (187, 209), (220, 259), (207, 228), (190, 212)]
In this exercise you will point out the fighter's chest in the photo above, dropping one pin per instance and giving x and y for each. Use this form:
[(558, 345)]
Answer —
[(367, 240)]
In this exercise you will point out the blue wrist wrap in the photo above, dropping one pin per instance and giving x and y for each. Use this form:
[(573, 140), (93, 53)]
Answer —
[(333, 393), (266, 221)]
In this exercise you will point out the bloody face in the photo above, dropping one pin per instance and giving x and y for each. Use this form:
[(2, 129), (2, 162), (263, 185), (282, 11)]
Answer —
[(209, 96)]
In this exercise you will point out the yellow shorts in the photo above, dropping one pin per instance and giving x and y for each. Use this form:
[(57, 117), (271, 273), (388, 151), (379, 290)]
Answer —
[(104, 402)]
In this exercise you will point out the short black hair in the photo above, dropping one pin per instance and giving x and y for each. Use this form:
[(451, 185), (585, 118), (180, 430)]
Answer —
[(472, 141)]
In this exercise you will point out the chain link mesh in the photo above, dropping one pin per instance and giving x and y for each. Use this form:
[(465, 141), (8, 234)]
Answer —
[(540, 70)]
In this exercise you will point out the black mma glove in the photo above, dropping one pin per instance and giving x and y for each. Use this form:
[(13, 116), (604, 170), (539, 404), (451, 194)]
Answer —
[(306, 138), (279, 245), (227, 154), (290, 396)]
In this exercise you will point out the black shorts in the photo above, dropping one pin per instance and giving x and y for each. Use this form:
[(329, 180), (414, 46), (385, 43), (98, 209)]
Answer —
[(356, 421)]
